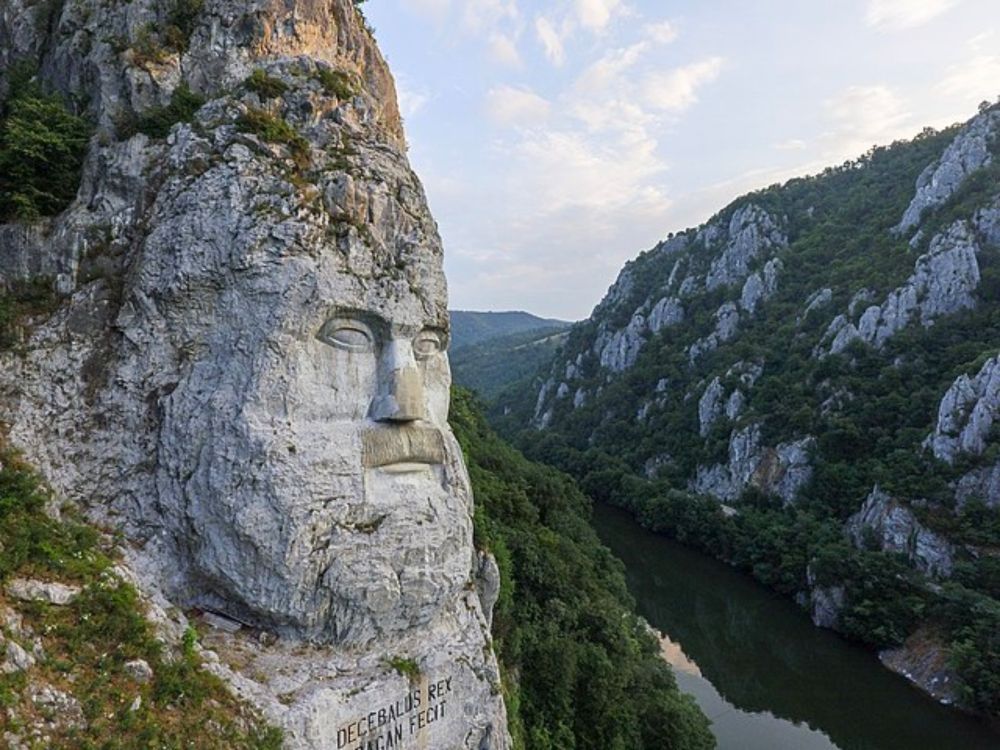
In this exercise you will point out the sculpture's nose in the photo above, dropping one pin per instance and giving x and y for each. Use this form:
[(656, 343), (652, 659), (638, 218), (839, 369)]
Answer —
[(400, 396)]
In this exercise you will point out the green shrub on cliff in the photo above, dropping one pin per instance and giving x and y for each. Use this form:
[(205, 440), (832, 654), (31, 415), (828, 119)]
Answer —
[(42, 147), (85, 644), (581, 671)]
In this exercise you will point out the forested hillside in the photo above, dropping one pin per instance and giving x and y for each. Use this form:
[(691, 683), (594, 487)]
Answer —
[(469, 328), (581, 671), (808, 386), (489, 366)]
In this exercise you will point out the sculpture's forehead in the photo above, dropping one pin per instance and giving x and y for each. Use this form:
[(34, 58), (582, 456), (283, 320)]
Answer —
[(410, 297)]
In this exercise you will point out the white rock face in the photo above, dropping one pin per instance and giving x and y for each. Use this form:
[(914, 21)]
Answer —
[(618, 350), (944, 282), (968, 153), (983, 484), (967, 413), (761, 286), (782, 470), (29, 590), (825, 603), (710, 406), (894, 528), (817, 300), (257, 393), (752, 231), (622, 349), (987, 223), (665, 313)]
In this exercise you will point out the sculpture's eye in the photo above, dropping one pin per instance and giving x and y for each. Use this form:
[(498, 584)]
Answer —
[(427, 344), (352, 336)]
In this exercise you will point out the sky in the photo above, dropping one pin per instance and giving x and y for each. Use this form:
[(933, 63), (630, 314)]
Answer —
[(557, 139)]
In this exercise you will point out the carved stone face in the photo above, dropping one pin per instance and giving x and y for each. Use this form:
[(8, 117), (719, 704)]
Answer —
[(327, 474), (303, 464)]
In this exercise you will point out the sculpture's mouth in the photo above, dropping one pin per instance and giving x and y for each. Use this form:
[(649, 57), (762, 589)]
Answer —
[(401, 450)]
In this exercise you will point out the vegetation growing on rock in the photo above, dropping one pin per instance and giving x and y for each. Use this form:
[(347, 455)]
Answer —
[(79, 687), (42, 147)]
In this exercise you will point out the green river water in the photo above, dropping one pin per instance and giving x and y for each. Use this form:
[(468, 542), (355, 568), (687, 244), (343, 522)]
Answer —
[(758, 668)]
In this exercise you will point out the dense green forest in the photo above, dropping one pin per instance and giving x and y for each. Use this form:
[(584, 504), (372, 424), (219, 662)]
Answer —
[(869, 410), (581, 671), (488, 367)]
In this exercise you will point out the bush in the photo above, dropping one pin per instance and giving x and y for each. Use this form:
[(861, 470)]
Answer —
[(337, 83), (266, 86), (42, 148), (275, 130), (156, 122)]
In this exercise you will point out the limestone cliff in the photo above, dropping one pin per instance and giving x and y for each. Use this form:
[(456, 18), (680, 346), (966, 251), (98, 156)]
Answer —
[(246, 372)]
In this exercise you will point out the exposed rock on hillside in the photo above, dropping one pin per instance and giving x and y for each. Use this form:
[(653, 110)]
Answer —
[(782, 470), (893, 528), (944, 282), (751, 233), (969, 152), (247, 373), (967, 413), (982, 484)]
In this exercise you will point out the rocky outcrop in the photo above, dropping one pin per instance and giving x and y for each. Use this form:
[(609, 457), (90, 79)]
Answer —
[(727, 323), (667, 312), (892, 527), (968, 153), (924, 660), (254, 386), (987, 223), (714, 401), (782, 470), (618, 350), (824, 603), (817, 300), (621, 349), (944, 282), (966, 414), (761, 286), (752, 232), (710, 406), (979, 484)]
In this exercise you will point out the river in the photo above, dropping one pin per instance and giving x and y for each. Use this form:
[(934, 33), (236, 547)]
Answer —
[(758, 668)]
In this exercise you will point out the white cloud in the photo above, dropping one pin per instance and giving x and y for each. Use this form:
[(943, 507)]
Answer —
[(507, 105), (864, 116), (410, 101), (973, 81), (503, 49), (597, 14), (896, 15), (551, 41), (676, 90), (794, 144), (483, 16), (663, 32), (436, 9)]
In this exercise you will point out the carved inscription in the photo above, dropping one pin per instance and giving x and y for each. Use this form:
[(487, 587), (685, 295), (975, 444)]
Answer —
[(399, 724)]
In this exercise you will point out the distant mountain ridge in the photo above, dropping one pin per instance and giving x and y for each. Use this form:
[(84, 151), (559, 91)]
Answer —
[(471, 327), (808, 386)]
